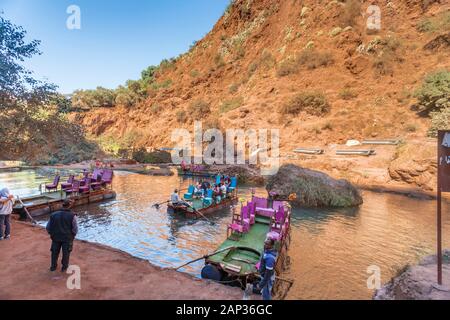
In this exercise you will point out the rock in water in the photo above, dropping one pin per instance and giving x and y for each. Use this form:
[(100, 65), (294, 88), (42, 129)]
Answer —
[(313, 188)]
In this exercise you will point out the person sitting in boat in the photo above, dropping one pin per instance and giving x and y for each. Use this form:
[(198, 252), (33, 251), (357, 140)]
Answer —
[(267, 270), (198, 191), (216, 190), (176, 200), (205, 186), (223, 190)]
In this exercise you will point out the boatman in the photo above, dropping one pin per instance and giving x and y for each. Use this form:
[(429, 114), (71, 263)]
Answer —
[(267, 270), (175, 199), (63, 228)]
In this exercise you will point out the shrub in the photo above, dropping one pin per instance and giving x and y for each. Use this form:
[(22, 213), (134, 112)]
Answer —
[(231, 104), (327, 126), (155, 108), (312, 59), (181, 116), (440, 120), (383, 64), (267, 59), (310, 102), (434, 94), (387, 50), (287, 67), (351, 12), (87, 99), (252, 68), (436, 23), (411, 127), (142, 156), (218, 60), (148, 75), (195, 73), (347, 94), (234, 88), (309, 58), (161, 85), (199, 109), (124, 97)]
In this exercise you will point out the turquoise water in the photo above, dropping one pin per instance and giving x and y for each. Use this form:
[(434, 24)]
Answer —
[(330, 249)]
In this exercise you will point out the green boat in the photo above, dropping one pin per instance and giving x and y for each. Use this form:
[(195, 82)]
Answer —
[(235, 262), (199, 206), (198, 209)]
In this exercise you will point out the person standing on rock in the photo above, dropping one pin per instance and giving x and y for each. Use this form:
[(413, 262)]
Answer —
[(6, 208), (63, 228)]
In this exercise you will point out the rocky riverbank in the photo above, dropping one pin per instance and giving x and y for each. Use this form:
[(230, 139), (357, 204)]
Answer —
[(419, 282)]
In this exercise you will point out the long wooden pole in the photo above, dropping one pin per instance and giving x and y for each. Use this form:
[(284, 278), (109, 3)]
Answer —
[(26, 211)]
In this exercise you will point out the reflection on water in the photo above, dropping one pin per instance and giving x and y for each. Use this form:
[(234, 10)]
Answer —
[(330, 249)]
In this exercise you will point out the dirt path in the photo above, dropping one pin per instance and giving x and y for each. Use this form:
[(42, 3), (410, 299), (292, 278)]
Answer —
[(106, 273)]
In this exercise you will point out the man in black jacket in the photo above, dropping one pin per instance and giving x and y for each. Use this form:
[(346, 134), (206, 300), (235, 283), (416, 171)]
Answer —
[(62, 228)]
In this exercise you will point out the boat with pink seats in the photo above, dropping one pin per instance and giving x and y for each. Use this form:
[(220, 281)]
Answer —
[(236, 260)]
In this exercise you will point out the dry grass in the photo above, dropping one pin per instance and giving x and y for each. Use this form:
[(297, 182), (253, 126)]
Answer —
[(347, 94), (351, 13), (313, 103), (199, 109), (308, 58), (231, 104)]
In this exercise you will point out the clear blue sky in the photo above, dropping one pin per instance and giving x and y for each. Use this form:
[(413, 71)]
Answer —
[(117, 40)]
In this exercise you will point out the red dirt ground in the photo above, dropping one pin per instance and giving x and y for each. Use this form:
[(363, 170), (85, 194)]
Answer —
[(106, 273)]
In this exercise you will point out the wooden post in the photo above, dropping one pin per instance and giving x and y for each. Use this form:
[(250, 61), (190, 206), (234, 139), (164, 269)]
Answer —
[(439, 230), (443, 185)]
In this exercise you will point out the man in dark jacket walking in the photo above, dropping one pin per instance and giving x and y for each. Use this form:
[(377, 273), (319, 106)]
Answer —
[(62, 228)]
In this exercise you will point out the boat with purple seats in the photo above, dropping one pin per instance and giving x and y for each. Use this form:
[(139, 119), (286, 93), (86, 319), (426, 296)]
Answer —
[(88, 188), (237, 259)]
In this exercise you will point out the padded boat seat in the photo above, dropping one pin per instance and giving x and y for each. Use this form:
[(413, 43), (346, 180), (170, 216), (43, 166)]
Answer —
[(266, 212)]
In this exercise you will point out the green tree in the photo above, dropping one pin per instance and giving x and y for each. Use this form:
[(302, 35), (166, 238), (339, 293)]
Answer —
[(17, 85)]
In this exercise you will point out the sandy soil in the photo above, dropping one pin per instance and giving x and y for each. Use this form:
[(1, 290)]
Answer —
[(106, 273)]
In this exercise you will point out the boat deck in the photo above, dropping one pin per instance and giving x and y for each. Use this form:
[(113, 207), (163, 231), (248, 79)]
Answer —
[(43, 199), (253, 239), (198, 204), (52, 201)]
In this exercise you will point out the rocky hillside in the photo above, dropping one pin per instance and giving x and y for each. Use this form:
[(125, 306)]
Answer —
[(310, 68)]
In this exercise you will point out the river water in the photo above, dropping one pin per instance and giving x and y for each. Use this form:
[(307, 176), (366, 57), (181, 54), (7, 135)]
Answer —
[(330, 249)]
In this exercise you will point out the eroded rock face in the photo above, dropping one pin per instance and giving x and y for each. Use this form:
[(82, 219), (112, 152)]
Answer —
[(418, 282), (313, 188), (441, 42), (416, 165)]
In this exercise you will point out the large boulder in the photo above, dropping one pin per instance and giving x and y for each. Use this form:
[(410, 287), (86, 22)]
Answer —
[(313, 188), (415, 164)]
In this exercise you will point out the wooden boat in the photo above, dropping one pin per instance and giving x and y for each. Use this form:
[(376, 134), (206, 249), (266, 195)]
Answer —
[(92, 188), (235, 261), (198, 205), (52, 201), (188, 173)]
